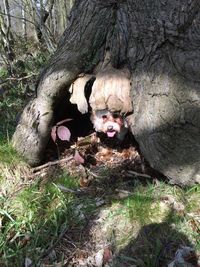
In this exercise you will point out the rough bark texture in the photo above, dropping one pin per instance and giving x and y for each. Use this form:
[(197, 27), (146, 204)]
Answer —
[(158, 40)]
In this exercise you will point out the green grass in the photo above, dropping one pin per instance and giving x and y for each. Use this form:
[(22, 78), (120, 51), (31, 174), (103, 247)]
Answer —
[(3, 73), (153, 228), (7, 153), (140, 205), (40, 211)]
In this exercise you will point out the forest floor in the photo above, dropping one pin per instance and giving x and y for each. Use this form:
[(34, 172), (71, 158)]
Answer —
[(92, 206)]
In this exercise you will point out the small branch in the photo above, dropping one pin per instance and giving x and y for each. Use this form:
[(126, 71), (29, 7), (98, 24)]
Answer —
[(69, 190), (139, 174), (51, 163), (36, 174), (94, 174), (17, 79), (5, 14)]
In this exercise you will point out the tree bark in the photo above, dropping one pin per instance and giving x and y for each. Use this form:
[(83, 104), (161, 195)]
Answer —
[(24, 26), (159, 42), (43, 33), (6, 38)]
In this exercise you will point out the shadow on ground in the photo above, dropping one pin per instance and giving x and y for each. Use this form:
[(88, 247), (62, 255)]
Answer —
[(154, 246)]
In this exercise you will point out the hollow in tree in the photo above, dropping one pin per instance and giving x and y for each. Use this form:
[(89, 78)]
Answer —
[(158, 44)]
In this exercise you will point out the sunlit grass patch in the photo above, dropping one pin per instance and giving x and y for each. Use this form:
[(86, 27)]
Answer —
[(40, 212), (144, 205), (8, 153), (152, 223), (192, 199), (140, 205), (192, 196), (34, 218)]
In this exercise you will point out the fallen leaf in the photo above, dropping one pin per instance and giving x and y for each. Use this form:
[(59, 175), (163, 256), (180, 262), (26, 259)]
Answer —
[(63, 133), (78, 158), (107, 255), (195, 225), (84, 182), (25, 240), (53, 134)]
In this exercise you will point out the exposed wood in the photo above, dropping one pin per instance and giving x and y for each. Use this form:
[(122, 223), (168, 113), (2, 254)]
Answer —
[(111, 90), (77, 90)]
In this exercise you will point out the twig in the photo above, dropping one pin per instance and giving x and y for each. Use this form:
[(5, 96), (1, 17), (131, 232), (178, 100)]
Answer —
[(51, 163), (69, 190), (139, 174), (17, 79), (36, 174), (94, 174), (5, 14)]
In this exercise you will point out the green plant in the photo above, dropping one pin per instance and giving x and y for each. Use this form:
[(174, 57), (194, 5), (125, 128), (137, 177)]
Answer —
[(3, 73)]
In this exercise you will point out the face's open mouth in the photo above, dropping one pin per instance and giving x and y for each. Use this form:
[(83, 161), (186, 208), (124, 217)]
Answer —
[(111, 133)]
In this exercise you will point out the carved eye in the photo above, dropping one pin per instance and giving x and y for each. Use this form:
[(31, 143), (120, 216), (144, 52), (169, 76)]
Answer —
[(104, 117), (115, 115)]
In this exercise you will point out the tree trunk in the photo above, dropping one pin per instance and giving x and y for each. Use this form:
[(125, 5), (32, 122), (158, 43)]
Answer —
[(43, 12), (24, 26), (158, 41), (7, 37)]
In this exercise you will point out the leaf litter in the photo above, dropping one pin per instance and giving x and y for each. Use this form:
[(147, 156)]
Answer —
[(108, 174)]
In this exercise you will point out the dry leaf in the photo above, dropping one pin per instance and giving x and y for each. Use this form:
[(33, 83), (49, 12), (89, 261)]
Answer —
[(84, 182), (107, 255), (63, 133), (25, 240), (78, 158), (53, 134)]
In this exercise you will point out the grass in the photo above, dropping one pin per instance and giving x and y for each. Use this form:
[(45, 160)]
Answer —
[(148, 229), (7, 154), (140, 205), (35, 217), (38, 212)]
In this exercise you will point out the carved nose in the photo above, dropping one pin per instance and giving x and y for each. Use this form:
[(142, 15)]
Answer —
[(110, 118), (110, 128)]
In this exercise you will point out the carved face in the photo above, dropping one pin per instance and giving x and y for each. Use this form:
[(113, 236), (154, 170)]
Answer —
[(111, 123)]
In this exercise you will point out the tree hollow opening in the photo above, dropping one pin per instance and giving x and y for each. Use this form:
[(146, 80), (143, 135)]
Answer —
[(82, 121)]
